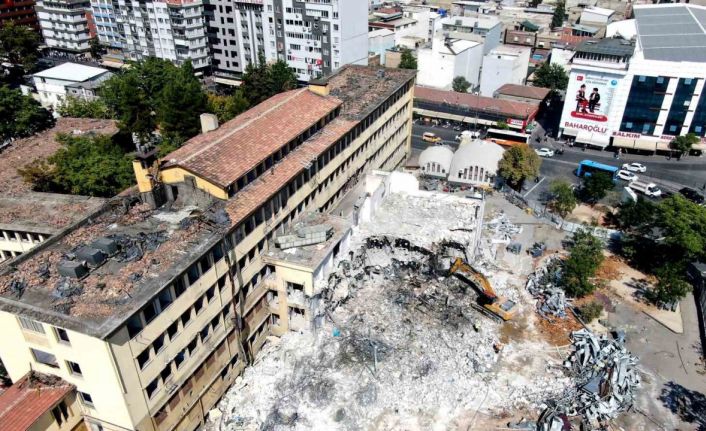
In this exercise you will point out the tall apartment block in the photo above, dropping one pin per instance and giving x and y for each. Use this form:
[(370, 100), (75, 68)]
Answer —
[(21, 12), (65, 24), (316, 37), (152, 313), (236, 35)]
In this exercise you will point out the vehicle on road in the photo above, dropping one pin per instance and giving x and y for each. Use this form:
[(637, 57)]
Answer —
[(467, 134), (430, 137), (634, 167), (648, 189), (626, 175), (507, 138), (589, 167), (544, 152), (692, 195)]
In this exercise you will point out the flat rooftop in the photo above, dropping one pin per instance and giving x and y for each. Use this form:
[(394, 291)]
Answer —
[(675, 32), (71, 72), (615, 47), (45, 212)]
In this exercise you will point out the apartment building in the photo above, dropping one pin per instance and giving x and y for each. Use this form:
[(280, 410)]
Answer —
[(153, 313), (55, 85), (21, 12), (236, 35), (477, 28), (317, 37), (65, 24)]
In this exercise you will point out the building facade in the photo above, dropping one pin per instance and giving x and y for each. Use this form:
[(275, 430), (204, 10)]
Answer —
[(57, 84), (447, 59), (316, 38), (478, 28), (506, 64), (65, 24), (20, 12), (158, 350), (236, 35)]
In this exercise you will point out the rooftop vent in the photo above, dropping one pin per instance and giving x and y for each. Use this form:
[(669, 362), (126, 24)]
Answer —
[(72, 269), (92, 256), (106, 245)]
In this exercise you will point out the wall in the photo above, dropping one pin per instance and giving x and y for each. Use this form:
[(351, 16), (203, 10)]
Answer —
[(354, 32), (500, 69), (380, 44), (47, 422)]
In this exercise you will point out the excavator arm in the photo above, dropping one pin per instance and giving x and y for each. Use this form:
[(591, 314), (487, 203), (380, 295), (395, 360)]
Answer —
[(474, 277)]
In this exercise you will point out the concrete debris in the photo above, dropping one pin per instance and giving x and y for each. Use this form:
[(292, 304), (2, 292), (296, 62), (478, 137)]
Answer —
[(606, 379), (544, 286), (504, 230), (305, 235)]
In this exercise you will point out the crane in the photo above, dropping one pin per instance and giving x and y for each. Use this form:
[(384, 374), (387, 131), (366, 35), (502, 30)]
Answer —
[(497, 305)]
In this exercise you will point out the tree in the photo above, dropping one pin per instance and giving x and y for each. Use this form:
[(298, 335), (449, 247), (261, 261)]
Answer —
[(596, 187), (671, 285), (95, 47), (79, 108), (262, 81), (563, 199), (181, 101), (552, 76), (460, 84), (559, 14), (590, 311), (281, 77), (407, 59), (19, 44), (683, 228), (502, 125), (586, 256), (85, 165), (227, 107), (683, 144), (518, 164), (636, 217), (21, 115)]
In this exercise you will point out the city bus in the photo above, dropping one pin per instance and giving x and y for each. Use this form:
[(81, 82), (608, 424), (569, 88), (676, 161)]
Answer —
[(588, 167), (506, 138)]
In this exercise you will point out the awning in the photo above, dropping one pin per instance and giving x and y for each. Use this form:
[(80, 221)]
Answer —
[(472, 120), (436, 114), (226, 81), (114, 64), (646, 144), (597, 140), (623, 142), (700, 147)]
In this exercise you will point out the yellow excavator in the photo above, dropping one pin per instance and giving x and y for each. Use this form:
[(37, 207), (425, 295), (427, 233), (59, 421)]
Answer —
[(497, 305)]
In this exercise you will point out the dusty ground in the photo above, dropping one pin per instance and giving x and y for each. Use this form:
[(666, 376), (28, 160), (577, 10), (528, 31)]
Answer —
[(588, 214)]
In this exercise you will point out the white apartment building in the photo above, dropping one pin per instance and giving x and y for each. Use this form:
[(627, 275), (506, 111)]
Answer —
[(649, 90), (173, 30), (236, 35), (478, 28), (106, 23), (447, 59), (506, 64), (379, 41), (55, 85), (64, 24), (426, 20), (316, 38)]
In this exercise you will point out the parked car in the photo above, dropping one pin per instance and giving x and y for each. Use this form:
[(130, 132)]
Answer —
[(692, 195), (634, 167), (627, 176), (544, 152), (430, 137), (649, 189)]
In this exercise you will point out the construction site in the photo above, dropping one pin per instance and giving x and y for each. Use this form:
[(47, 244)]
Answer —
[(426, 322)]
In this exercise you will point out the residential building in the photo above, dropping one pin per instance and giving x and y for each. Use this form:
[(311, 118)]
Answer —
[(425, 18), (522, 93), (470, 8), (104, 15), (20, 12), (40, 402), (506, 64), (65, 24), (161, 305), (520, 37), (236, 35), (55, 85), (379, 41), (597, 16), (316, 38), (447, 59), (648, 90), (408, 31), (478, 28)]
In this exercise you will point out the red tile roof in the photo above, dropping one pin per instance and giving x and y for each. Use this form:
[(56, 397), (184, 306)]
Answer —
[(471, 101), (225, 154), (29, 398), (537, 93)]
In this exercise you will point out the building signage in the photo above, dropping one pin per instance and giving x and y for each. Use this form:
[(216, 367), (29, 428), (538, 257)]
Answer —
[(589, 97), (664, 138)]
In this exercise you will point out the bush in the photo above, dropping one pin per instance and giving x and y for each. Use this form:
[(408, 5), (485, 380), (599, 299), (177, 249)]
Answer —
[(583, 262), (590, 311)]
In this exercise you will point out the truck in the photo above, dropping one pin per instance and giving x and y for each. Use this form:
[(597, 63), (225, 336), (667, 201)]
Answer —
[(649, 189), (498, 306)]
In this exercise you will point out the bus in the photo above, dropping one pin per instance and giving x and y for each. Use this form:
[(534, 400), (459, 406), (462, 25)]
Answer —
[(589, 167), (506, 138)]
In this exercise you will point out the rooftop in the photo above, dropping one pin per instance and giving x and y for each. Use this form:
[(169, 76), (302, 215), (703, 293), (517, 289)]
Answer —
[(599, 10), (71, 72), (526, 91), (380, 32), (477, 20), (29, 398), (471, 101), (456, 46), (614, 47), (675, 32), (44, 212)]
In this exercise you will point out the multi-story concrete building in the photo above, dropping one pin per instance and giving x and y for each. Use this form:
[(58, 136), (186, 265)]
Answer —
[(65, 24), (152, 313), (640, 95), (236, 35), (447, 59), (20, 12), (477, 28), (75, 80), (316, 38), (506, 64)]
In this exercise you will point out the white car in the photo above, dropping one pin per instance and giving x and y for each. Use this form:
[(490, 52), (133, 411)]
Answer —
[(544, 152), (467, 133), (634, 167), (627, 176)]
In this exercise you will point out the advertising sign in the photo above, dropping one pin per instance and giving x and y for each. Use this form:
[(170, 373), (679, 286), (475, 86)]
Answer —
[(589, 96)]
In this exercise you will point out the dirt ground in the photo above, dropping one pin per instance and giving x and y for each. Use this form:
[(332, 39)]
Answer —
[(588, 214)]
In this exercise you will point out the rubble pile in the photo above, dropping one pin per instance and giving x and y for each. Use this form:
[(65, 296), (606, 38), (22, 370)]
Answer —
[(544, 286), (503, 230), (606, 379)]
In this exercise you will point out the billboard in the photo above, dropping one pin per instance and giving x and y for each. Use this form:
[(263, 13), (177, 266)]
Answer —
[(589, 97)]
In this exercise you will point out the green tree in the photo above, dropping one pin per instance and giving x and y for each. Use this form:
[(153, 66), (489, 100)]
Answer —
[(596, 187), (683, 144), (21, 115), (460, 84), (636, 217), (671, 285), (563, 199), (683, 228), (559, 14), (181, 102), (407, 59), (586, 256), (79, 108), (85, 165), (280, 77), (96, 49), (590, 311), (518, 164), (262, 81), (227, 107), (19, 44), (552, 76), (502, 125)]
